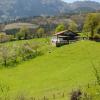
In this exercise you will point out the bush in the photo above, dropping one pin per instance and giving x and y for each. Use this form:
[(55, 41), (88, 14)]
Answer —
[(97, 30), (5, 54), (21, 97), (60, 27), (75, 95), (28, 51), (96, 36), (5, 38), (4, 91), (12, 55)]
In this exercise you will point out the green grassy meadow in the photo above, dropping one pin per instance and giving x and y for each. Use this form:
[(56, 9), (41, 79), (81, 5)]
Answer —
[(58, 70)]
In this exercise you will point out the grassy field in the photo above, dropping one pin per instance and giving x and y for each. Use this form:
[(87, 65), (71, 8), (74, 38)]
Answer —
[(59, 70)]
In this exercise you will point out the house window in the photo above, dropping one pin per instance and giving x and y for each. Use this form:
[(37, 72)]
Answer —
[(64, 38)]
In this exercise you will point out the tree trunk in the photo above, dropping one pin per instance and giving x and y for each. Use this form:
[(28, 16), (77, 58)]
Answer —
[(5, 62), (92, 33)]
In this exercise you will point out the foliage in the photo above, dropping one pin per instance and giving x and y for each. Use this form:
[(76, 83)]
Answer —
[(97, 75), (76, 95), (20, 35), (28, 51), (40, 32), (60, 27), (5, 54), (4, 91), (61, 70), (91, 22), (5, 38), (97, 30), (96, 36), (73, 26), (17, 53), (23, 33)]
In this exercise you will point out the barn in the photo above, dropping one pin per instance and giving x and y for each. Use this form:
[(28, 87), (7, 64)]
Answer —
[(64, 37)]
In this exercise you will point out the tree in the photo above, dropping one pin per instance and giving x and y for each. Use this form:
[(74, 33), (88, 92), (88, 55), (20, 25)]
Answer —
[(14, 54), (79, 20), (97, 30), (40, 32), (28, 51), (91, 22), (23, 33), (5, 54), (5, 38), (25, 51), (35, 48), (72, 26), (20, 35), (60, 27)]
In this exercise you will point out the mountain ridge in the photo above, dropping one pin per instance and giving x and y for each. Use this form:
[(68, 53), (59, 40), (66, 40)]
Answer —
[(25, 8)]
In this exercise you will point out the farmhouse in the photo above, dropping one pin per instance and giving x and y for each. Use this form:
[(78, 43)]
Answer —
[(64, 37), (15, 27)]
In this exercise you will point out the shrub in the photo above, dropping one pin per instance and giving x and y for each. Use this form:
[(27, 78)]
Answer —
[(60, 27), (26, 52), (29, 51), (5, 55), (75, 95), (14, 54), (4, 91), (96, 36), (21, 97)]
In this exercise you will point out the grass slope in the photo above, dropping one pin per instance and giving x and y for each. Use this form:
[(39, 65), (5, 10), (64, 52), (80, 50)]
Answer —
[(63, 69)]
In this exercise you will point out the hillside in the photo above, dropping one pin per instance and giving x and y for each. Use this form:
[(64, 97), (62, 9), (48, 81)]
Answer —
[(10, 9), (60, 70)]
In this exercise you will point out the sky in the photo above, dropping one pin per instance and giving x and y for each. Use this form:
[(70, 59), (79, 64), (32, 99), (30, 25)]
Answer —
[(79, 0)]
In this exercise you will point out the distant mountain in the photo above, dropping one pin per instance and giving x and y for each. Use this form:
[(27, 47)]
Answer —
[(25, 8), (85, 5), (31, 7)]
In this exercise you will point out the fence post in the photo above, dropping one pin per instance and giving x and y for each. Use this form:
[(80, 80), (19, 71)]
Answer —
[(88, 85), (32, 98), (95, 83), (63, 95), (44, 98), (54, 96)]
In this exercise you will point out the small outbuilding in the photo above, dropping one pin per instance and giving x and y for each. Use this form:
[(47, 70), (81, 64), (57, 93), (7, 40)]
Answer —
[(64, 37)]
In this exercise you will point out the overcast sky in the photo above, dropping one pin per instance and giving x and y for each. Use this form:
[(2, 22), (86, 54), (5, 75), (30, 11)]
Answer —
[(79, 0)]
